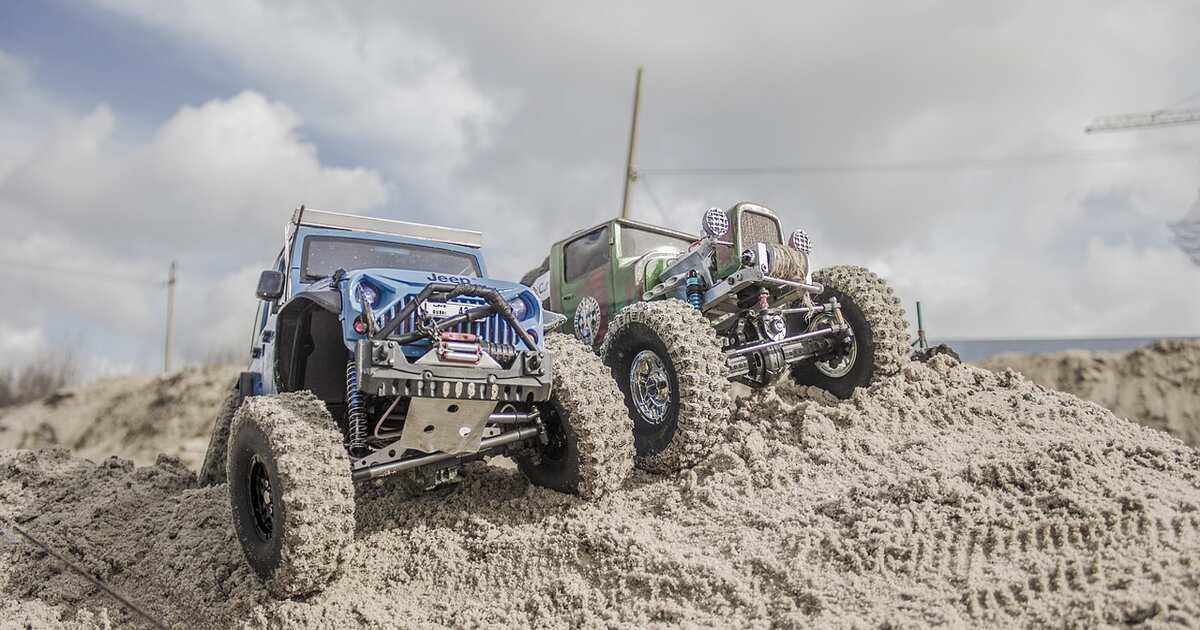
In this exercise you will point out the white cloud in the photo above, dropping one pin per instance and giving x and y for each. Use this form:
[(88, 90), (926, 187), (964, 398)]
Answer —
[(20, 345), (218, 179), (98, 220), (511, 118), (365, 80)]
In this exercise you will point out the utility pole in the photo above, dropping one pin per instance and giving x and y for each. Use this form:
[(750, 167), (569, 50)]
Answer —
[(170, 317), (630, 174)]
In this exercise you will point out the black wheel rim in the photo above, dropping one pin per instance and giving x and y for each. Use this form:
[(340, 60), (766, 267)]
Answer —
[(556, 433), (261, 503)]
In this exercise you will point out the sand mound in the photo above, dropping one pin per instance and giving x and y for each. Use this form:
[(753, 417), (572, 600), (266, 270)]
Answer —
[(133, 417), (947, 494), (1157, 385)]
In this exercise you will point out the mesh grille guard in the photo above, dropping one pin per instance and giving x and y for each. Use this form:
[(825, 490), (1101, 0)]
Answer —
[(758, 228)]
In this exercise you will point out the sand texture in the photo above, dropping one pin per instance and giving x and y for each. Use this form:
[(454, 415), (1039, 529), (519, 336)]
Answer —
[(134, 417), (1157, 385), (944, 495)]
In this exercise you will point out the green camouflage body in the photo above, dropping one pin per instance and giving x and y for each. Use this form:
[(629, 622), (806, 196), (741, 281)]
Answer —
[(624, 278)]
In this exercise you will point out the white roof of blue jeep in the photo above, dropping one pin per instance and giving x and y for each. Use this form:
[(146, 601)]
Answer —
[(357, 223)]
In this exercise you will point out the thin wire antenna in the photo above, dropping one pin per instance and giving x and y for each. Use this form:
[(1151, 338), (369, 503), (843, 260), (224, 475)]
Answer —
[(99, 583), (965, 163)]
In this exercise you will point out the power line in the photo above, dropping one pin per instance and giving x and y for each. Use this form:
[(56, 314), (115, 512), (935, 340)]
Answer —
[(94, 580), (964, 163), (1190, 97), (653, 197), (115, 277)]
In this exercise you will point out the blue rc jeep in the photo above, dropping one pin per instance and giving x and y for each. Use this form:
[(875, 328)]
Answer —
[(381, 348)]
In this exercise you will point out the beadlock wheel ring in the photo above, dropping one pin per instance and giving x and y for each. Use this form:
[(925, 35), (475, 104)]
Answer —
[(650, 387), (261, 505), (843, 360)]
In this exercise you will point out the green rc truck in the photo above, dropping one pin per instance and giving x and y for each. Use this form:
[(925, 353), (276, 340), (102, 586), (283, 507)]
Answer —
[(381, 348), (677, 317)]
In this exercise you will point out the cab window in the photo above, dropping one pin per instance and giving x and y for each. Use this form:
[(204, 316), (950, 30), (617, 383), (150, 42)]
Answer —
[(324, 255), (636, 241), (586, 253)]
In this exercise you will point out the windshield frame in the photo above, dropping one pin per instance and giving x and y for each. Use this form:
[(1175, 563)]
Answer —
[(310, 239)]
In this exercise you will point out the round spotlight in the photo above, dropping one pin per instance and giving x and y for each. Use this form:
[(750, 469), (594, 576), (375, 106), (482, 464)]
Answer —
[(520, 308), (715, 223), (366, 294), (799, 241)]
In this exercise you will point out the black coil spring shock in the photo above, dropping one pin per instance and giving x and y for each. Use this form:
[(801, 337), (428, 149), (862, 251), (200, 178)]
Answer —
[(356, 414)]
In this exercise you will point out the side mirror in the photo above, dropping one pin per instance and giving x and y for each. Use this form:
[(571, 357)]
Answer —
[(270, 285)]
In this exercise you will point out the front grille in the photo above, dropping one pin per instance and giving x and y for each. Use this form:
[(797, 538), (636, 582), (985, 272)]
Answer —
[(758, 228), (492, 328)]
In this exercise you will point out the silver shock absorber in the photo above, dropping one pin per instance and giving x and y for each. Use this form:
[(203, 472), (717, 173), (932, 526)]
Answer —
[(695, 290), (356, 414)]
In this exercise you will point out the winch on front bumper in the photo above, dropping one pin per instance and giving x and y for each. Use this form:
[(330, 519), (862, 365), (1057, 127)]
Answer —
[(456, 365)]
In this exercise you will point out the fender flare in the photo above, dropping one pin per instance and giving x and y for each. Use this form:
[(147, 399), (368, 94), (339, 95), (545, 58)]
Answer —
[(327, 299), (287, 331)]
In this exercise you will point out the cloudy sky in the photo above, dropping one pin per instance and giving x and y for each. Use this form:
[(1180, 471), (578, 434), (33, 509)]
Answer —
[(939, 143)]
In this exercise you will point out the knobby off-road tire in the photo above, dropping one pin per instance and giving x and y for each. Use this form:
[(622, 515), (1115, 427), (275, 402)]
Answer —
[(212, 471), (671, 335), (876, 317), (292, 441), (591, 441)]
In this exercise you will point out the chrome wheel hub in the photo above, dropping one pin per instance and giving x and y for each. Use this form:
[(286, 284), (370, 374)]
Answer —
[(842, 360), (649, 386)]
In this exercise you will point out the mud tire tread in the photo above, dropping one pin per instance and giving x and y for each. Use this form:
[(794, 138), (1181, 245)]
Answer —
[(705, 399), (317, 491), (595, 410), (212, 471), (882, 309)]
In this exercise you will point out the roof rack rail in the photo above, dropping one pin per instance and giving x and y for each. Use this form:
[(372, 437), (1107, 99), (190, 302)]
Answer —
[(326, 219)]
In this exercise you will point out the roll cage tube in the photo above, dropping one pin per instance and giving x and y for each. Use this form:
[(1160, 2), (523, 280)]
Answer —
[(445, 291)]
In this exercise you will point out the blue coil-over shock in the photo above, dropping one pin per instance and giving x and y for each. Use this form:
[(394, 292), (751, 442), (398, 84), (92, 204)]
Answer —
[(356, 414), (695, 290)]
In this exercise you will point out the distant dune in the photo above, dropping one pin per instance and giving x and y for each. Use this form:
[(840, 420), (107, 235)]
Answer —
[(135, 417), (1157, 385)]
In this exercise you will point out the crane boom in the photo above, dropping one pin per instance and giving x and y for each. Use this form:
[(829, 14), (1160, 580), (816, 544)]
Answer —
[(1160, 118)]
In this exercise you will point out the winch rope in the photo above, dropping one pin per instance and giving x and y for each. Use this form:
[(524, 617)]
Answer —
[(77, 569)]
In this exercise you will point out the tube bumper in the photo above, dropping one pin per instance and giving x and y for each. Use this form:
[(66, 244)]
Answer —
[(384, 370)]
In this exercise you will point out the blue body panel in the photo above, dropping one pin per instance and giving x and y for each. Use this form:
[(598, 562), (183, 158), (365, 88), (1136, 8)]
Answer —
[(394, 287)]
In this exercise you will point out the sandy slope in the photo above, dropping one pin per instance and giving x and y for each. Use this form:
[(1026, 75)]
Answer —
[(135, 417), (946, 495), (1157, 385)]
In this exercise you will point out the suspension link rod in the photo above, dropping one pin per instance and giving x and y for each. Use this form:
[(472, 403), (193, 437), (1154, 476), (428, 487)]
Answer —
[(820, 332), (391, 468)]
